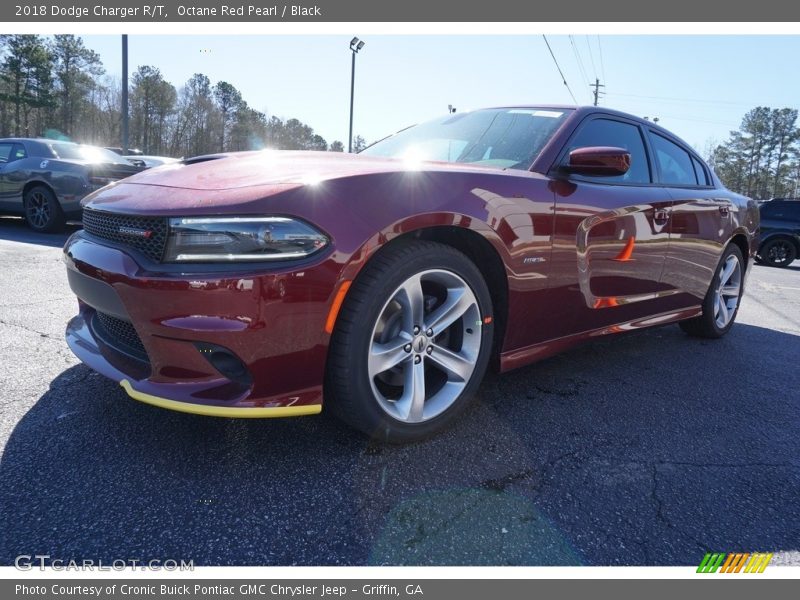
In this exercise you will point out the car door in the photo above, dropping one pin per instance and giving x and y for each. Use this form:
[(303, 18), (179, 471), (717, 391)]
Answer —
[(701, 219), (12, 177), (610, 234)]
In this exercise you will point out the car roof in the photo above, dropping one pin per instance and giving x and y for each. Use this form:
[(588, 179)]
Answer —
[(36, 139), (585, 110), (581, 109)]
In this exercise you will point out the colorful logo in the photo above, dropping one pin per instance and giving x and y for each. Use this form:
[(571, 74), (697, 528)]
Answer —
[(734, 562)]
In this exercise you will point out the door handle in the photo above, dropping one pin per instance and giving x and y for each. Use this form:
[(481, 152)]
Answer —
[(661, 215)]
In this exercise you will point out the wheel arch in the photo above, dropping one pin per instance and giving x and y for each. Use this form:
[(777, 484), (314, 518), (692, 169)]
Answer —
[(484, 255), (740, 240), (470, 236), (37, 183)]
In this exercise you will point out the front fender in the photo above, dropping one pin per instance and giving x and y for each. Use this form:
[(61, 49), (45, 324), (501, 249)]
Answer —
[(413, 223)]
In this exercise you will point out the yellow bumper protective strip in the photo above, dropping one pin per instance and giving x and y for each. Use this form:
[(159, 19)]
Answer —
[(253, 412)]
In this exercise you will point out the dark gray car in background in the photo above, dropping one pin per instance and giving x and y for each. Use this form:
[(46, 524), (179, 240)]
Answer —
[(44, 180), (780, 232)]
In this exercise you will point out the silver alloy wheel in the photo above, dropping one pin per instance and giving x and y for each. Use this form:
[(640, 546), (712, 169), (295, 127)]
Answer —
[(424, 346), (728, 289), (38, 209)]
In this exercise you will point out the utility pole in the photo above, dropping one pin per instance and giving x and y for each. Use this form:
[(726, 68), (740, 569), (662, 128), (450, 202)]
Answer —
[(124, 94), (597, 85)]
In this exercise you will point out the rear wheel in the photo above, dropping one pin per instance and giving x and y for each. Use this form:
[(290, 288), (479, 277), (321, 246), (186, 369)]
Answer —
[(42, 211), (721, 303), (411, 343), (779, 252)]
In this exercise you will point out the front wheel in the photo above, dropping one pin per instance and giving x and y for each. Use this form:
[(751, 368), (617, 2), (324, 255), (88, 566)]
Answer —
[(722, 301), (411, 343)]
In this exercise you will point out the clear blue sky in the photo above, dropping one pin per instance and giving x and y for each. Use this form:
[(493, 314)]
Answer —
[(699, 86)]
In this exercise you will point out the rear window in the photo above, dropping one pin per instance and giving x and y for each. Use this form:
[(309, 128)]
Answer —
[(80, 152)]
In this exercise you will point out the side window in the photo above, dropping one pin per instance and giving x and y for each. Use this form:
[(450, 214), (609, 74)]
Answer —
[(5, 152), (674, 162), (17, 152), (605, 132), (700, 172)]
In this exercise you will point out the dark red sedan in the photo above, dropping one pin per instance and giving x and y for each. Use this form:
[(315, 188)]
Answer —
[(256, 284)]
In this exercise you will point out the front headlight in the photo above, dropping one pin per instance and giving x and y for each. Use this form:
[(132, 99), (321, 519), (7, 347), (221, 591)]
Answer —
[(228, 239)]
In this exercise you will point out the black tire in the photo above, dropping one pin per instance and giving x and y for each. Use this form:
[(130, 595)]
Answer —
[(706, 325), (348, 387), (778, 252), (42, 210)]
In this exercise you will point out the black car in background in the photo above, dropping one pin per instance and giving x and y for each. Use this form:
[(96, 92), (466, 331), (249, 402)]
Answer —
[(44, 180), (780, 232)]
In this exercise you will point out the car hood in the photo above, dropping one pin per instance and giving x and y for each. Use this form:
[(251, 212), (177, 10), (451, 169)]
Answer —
[(270, 167), (241, 181)]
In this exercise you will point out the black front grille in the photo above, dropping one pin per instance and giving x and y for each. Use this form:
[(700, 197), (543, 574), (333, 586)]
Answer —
[(148, 235), (118, 334)]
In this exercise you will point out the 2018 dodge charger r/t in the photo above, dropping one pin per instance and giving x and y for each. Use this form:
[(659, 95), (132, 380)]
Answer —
[(256, 284)]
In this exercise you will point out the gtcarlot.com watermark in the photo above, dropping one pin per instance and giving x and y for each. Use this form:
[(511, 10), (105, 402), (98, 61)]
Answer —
[(28, 562)]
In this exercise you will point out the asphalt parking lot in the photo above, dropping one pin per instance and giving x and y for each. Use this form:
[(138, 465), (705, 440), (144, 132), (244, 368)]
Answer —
[(645, 449)]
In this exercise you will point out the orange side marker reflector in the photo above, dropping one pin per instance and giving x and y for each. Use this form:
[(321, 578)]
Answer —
[(606, 302), (487, 320), (627, 251), (337, 304)]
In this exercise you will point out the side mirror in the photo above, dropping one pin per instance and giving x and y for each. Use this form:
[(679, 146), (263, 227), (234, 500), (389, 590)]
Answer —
[(598, 161)]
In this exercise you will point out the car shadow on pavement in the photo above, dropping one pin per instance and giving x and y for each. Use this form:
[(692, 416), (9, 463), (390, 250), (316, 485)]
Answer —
[(651, 448), (14, 229)]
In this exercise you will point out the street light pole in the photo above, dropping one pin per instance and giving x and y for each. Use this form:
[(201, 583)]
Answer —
[(124, 108), (355, 45)]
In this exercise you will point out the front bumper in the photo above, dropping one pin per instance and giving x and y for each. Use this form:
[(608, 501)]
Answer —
[(271, 322)]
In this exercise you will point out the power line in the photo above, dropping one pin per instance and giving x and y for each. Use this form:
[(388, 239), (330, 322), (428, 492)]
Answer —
[(560, 72), (681, 100), (578, 60), (602, 66), (695, 120), (591, 58)]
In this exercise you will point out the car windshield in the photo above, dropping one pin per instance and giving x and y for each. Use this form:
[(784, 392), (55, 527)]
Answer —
[(80, 152), (506, 138)]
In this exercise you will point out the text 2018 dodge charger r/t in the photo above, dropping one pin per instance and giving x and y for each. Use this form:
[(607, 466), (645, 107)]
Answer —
[(255, 284)]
